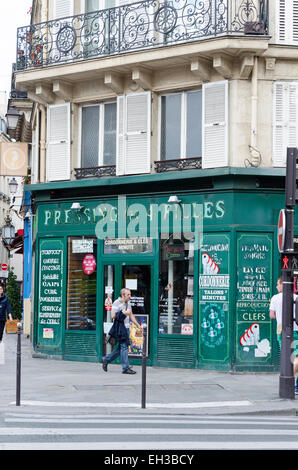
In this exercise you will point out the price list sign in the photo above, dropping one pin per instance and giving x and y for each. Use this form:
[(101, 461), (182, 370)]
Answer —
[(254, 290), (50, 293)]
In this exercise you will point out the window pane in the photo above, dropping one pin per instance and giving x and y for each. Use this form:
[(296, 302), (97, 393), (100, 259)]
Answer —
[(90, 129), (81, 285), (176, 287), (194, 124), (109, 152), (170, 127)]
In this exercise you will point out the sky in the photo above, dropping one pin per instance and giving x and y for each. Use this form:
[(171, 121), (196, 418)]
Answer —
[(13, 13)]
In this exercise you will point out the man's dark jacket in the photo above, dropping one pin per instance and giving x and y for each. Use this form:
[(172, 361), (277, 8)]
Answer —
[(118, 330), (4, 308)]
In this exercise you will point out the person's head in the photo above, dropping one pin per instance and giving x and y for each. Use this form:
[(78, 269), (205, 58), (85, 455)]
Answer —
[(125, 294), (1, 290), (279, 285)]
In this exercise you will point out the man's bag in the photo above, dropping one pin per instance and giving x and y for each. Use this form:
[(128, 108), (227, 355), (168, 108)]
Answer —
[(111, 340)]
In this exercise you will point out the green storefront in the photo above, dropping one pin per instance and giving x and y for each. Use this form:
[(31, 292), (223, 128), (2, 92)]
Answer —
[(201, 270)]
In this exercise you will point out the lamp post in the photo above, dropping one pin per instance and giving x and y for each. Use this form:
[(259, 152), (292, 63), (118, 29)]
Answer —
[(12, 116), (8, 231), (13, 186)]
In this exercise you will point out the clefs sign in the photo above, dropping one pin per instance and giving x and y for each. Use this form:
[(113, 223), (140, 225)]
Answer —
[(89, 264)]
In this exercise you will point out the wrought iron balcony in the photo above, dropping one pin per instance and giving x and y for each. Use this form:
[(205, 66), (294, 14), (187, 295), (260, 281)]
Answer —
[(137, 26), (178, 164), (95, 172)]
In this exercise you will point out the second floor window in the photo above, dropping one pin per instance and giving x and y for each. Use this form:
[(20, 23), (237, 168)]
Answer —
[(98, 135), (181, 125)]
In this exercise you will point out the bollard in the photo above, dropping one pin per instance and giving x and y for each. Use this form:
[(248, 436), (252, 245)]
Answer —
[(144, 370), (18, 382)]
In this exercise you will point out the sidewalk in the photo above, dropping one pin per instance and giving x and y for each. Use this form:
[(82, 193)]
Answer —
[(62, 385)]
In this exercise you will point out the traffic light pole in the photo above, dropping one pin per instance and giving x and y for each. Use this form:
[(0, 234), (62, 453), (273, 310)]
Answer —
[(287, 379)]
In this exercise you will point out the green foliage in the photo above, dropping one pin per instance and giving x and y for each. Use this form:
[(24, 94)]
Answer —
[(13, 295)]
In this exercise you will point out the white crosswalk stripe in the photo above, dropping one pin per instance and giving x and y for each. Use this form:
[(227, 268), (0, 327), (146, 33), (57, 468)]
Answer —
[(140, 431)]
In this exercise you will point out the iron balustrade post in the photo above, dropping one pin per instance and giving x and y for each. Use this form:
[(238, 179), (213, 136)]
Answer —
[(144, 353), (18, 377)]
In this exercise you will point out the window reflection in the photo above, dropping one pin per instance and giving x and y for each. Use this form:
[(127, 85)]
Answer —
[(176, 286)]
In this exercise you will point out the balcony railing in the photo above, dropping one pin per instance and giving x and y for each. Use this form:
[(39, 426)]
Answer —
[(137, 26)]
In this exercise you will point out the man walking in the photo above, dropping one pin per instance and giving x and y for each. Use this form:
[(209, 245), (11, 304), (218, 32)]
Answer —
[(275, 312), (122, 313)]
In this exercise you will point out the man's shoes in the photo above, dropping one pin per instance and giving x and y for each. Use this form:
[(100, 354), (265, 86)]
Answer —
[(104, 365), (129, 371)]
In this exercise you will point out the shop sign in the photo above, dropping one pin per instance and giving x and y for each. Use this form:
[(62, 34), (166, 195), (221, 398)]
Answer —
[(83, 245), (14, 159), (89, 264), (50, 293), (127, 245), (254, 291), (214, 285)]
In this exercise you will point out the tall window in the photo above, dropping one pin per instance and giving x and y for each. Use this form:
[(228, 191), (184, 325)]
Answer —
[(81, 283), (98, 135), (176, 286), (181, 125)]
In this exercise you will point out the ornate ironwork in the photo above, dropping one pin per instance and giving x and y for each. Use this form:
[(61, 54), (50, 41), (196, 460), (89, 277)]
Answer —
[(179, 164), (95, 172), (136, 26)]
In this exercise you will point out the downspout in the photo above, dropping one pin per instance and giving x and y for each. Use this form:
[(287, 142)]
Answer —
[(255, 159), (43, 144)]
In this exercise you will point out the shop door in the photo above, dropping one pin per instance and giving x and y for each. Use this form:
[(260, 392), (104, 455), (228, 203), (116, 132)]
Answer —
[(136, 278)]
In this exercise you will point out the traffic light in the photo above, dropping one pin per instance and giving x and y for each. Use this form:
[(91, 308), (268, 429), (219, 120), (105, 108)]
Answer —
[(291, 177)]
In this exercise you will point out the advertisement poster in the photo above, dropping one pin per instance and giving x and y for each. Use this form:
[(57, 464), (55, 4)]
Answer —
[(214, 283), (136, 337)]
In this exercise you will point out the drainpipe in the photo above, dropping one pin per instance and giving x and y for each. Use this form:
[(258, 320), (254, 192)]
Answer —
[(43, 144), (253, 148)]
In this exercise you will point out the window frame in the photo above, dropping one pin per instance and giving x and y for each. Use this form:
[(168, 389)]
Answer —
[(101, 134), (183, 123)]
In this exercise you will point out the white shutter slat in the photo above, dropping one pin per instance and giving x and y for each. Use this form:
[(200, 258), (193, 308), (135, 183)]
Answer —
[(63, 8), (120, 144), (279, 124), (138, 133), (58, 142), (215, 125)]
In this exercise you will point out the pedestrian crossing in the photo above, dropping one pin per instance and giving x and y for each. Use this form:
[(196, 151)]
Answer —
[(140, 431)]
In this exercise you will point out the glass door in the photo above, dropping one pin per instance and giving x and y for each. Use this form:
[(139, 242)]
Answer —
[(136, 278)]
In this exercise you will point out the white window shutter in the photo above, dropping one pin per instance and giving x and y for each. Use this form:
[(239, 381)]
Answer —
[(63, 8), (58, 142), (215, 125), (133, 134), (138, 133), (285, 99), (287, 21), (120, 144)]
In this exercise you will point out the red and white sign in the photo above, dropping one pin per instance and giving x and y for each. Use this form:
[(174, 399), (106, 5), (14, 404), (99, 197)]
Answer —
[(89, 264), (108, 304), (281, 230), (4, 267), (186, 329)]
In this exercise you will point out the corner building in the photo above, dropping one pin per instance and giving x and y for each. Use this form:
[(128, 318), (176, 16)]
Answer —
[(164, 126)]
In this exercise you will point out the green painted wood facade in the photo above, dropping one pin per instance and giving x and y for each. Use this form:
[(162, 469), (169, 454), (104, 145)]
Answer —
[(238, 211)]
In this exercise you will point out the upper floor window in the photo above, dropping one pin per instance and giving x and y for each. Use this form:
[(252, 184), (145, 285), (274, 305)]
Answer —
[(181, 125), (98, 135), (287, 21)]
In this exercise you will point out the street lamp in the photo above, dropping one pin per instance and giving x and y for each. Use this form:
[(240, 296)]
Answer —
[(8, 231), (13, 186), (12, 116)]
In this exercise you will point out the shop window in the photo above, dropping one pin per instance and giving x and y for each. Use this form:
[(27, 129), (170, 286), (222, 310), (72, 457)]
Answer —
[(81, 283), (176, 286)]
